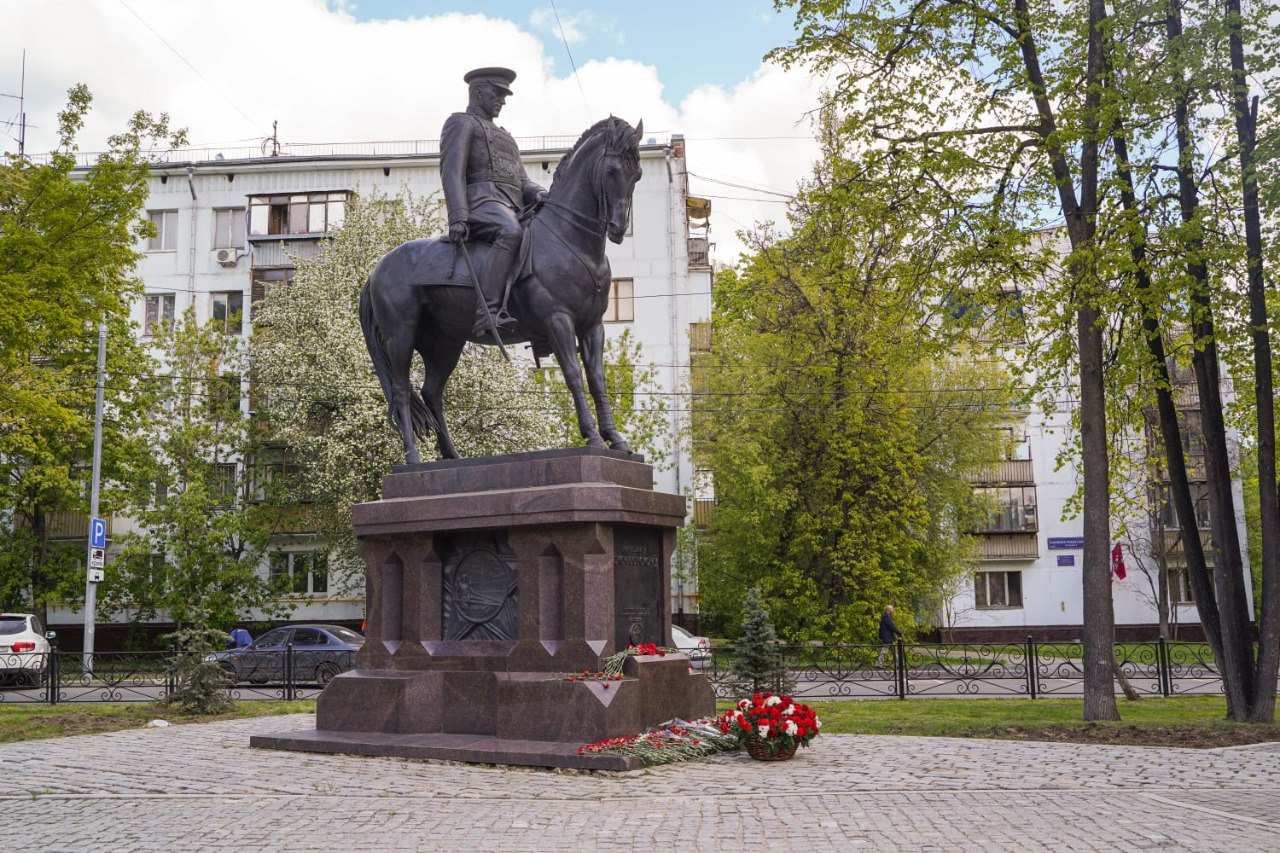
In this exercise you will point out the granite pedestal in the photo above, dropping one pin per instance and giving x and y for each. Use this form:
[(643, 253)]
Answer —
[(488, 581)]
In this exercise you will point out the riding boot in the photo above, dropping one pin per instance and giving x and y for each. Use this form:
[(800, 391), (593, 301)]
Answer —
[(493, 282)]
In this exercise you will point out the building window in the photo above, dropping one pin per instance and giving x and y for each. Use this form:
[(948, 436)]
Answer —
[(1014, 509), (166, 236), (224, 397), (301, 573), (228, 228), (263, 280), (304, 213), (227, 312), (997, 589), (1168, 517), (224, 484), (1180, 585), (621, 307), (157, 313)]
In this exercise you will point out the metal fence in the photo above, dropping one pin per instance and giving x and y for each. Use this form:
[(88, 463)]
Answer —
[(69, 677), (905, 670), (900, 670)]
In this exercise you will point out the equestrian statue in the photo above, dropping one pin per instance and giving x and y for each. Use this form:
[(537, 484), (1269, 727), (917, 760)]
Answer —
[(519, 264)]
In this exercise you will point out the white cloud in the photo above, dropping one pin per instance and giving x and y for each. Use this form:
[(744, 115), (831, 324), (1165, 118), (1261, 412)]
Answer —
[(577, 26), (330, 78)]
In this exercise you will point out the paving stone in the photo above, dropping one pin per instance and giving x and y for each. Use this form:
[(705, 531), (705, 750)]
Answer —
[(195, 787)]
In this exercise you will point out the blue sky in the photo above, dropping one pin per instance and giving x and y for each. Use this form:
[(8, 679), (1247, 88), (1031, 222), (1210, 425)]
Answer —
[(719, 42)]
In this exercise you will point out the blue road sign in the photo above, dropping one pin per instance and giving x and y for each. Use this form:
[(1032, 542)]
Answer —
[(97, 533)]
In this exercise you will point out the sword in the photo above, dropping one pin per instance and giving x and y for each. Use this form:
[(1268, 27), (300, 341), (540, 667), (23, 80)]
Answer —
[(475, 280)]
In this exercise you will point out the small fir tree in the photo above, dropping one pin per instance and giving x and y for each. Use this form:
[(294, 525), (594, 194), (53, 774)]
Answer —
[(757, 662), (200, 684)]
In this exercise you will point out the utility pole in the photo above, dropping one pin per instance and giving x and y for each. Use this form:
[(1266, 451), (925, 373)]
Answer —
[(97, 527)]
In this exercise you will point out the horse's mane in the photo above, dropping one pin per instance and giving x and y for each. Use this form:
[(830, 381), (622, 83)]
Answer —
[(597, 129)]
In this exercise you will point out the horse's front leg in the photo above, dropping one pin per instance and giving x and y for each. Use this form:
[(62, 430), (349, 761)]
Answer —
[(592, 345), (563, 342)]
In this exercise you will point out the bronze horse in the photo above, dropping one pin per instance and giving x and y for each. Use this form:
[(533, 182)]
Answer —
[(559, 296)]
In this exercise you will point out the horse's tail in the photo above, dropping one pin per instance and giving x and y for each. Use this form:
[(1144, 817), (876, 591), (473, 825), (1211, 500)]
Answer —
[(424, 423)]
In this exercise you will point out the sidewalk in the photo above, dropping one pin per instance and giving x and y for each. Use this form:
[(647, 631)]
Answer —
[(200, 787)]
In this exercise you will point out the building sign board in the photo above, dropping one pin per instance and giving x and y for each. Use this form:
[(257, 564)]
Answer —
[(1060, 543), (1066, 559)]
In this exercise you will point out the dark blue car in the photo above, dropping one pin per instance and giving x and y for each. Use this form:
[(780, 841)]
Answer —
[(319, 652)]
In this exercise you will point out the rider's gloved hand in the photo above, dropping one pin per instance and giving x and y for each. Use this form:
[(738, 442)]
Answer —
[(458, 232)]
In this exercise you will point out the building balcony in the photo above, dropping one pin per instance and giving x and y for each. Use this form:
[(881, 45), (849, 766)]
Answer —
[(1008, 472), (699, 253), (1010, 546), (700, 337), (65, 524)]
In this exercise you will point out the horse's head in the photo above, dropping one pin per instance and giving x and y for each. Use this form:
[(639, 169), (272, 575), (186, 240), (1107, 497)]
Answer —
[(618, 172)]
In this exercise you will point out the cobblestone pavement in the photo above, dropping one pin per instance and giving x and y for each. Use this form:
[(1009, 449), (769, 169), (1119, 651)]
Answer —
[(200, 786)]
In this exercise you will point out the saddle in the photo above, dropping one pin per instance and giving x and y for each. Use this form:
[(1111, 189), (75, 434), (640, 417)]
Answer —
[(437, 262)]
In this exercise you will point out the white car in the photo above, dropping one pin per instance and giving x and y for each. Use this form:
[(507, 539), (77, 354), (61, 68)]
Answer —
[(697, 649), (24, 651)]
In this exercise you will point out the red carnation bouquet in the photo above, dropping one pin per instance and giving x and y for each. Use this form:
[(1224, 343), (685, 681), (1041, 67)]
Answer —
[(777, 723)]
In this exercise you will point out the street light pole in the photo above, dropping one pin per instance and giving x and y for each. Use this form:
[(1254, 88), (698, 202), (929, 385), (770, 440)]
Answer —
[(91, 576)]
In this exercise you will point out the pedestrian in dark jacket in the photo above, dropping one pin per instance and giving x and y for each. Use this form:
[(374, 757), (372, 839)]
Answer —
[(888, 633)]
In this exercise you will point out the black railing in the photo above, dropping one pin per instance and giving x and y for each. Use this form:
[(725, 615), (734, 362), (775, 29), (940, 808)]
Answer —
[(70, 677), (899, 670), (903, 670)]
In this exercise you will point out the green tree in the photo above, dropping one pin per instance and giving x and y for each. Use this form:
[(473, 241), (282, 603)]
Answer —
[(842, 413), (756, 660), (319, 407), (68, 247), (199, 543)]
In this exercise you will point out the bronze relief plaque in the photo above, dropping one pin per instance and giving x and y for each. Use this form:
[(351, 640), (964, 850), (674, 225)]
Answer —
[(480, 580)]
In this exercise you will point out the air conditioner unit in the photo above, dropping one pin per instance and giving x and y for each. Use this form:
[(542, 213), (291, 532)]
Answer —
[(228, 257)]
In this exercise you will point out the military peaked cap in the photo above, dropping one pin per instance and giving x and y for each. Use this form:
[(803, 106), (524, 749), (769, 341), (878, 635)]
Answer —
[(500, 77)]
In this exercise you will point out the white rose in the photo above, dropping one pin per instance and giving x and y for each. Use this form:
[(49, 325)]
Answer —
[(791, 728), (771, 701), (763, 729), (744, 703), (790, 709), (817, 724)]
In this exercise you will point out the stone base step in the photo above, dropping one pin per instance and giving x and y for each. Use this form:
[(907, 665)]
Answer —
[(473, 749)]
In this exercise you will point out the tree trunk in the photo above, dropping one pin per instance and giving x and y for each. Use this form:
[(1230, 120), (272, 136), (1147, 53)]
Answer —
[(1236, 659), (1081, 219), (1263, 707)]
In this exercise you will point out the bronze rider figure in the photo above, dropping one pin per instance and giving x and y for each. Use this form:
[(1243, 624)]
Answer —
[(485, 188)]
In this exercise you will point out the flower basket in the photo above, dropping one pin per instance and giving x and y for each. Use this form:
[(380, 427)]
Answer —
[(760, 751), (769, 727)]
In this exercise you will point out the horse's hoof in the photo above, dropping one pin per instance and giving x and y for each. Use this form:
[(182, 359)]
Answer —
[(620, 445), (596, 442)]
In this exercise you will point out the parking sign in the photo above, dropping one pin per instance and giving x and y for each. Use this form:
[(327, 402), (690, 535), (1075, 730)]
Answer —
[(97, 533)]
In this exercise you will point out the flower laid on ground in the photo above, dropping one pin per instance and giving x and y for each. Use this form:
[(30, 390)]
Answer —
[(671, 742), (775, 721), (615, 662)]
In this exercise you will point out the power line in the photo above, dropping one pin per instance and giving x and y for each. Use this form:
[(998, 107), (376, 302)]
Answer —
[(572, 63)]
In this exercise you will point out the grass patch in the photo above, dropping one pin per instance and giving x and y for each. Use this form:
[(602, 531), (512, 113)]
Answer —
[(35, 722), (1194, 721)]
